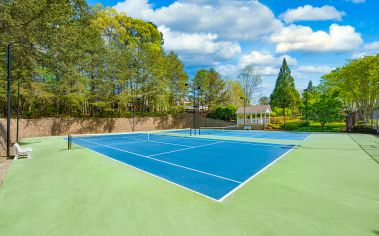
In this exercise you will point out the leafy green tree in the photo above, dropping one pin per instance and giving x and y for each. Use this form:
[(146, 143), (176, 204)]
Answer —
[(235, 92), (285, 94), (358, 84), (98, 63), (308, 99), (213, 90), (325, 108), (227, 113)]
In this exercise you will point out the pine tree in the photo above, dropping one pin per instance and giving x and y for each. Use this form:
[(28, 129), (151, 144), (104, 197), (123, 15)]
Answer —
[(285, 94)]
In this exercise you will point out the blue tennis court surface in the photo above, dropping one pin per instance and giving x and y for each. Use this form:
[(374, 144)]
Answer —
[(250, 134), (211, 167)]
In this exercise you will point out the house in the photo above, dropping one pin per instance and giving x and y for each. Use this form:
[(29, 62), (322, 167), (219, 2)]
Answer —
[(255, 115)]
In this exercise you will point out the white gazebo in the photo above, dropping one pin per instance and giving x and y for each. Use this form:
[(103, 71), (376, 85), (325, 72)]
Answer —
[(254, 115)]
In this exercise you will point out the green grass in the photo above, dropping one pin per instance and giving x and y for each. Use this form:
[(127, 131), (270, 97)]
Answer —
[(329, 127), (299, 126), (327, 186)]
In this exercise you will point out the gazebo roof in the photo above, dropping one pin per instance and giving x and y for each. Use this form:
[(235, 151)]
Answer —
[(255, 109)]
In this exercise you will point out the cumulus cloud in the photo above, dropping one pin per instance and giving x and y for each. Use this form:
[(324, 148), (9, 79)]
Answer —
[(228, 19), (199, 47), (135, 8), (372, 46), (367, 50), (357, 1), (315, 69), (264, 63), (265, 59), (310, 13), (303, 38)]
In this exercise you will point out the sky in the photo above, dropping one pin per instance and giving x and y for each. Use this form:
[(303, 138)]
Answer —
[(315, 36)]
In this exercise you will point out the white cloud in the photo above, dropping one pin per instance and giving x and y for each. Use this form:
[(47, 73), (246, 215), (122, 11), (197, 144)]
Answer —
[(310, 13), (367, 50), (199, 47), (265, 59), (264, 63), (315, 69), (303, 38), (372, 46), (357, 1), (135, 8), (228, 70), (228, 19)]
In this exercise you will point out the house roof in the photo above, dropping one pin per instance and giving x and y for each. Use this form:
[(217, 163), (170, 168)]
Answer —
[(255, 109)]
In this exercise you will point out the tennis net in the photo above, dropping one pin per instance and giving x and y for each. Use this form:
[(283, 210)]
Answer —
[(217, 130), (121, 139)]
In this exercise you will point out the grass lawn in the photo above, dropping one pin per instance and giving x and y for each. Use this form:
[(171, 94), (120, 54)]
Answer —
[(328, 185)]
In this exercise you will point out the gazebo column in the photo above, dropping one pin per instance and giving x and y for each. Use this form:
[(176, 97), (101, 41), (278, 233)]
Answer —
[(269, 118), (265, 120)]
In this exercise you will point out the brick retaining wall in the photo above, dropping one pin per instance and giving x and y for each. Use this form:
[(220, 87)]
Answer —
[(65, 126)]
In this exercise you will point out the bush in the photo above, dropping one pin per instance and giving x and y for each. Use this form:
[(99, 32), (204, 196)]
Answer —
[(292, 125), (227, 113), (363, 129), (273, 126)]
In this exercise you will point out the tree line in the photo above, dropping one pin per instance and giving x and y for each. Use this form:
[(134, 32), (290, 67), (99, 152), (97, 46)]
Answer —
[(97, 62), (350, 92)]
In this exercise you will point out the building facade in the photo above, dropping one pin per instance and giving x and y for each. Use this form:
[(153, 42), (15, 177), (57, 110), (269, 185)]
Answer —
[(254, 115)]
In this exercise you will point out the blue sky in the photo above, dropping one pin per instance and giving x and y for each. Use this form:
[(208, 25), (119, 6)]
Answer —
[(315, 36)]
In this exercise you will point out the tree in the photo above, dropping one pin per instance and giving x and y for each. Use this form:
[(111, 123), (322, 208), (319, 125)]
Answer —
[(212, 88), (285, 94), (235, 92), (326, 108), (358, 84), (264, 100), (249, 80), (98, 63), (227, 113), (308, 98)]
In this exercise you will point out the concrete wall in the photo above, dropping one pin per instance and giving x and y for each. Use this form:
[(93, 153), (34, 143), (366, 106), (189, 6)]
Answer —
[(65, 126)]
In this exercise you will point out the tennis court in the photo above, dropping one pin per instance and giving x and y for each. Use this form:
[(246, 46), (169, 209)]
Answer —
[(232, 132), (213, 168)]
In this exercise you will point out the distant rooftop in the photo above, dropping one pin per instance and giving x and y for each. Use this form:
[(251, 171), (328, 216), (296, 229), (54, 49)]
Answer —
[(255, 109)]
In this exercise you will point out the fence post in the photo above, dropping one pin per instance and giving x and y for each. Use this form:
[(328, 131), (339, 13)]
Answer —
[(69, 142)]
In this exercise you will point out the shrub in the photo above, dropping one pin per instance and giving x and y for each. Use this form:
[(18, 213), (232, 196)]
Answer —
[(363, 129), (227, 113)]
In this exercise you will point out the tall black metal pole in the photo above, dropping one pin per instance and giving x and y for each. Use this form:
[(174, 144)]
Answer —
[(9, 101), (194, 111), (18, 108), (244, 111), (306, 108)]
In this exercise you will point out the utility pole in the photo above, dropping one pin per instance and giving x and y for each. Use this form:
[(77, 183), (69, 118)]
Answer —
[(306, 107)]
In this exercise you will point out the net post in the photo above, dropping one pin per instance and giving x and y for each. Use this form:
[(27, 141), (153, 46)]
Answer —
[(69, 142), (190, 132)]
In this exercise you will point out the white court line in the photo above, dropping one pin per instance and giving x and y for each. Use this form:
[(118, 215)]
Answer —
[(113, 148), (166, 162), (174, 144), (184, 149), (156, 176), (253, 176), (308, 136)]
